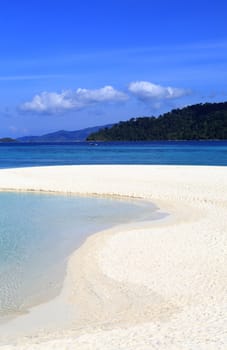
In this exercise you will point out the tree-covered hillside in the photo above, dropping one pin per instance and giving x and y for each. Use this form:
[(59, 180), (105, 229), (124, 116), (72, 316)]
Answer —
[(196, 122)]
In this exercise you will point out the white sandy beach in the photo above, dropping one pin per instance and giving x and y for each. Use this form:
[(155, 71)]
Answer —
[(158, 285)]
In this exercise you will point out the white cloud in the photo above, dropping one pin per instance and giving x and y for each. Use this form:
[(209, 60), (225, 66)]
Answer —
[(48, 102), (52, 102), (145, 90)]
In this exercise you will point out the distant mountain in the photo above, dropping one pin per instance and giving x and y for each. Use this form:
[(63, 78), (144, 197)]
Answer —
[(63, 135), (206, 121)]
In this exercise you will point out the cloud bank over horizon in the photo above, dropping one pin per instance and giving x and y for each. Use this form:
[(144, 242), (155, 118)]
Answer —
[(54, 102)]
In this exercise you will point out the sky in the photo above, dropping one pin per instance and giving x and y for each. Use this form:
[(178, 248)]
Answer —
[(75, 64)]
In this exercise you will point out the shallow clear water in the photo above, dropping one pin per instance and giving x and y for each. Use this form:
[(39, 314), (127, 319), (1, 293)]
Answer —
[(166, 152), (37, 234)]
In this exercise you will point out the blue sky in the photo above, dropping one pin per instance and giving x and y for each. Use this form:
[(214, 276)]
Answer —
[(70, 64)]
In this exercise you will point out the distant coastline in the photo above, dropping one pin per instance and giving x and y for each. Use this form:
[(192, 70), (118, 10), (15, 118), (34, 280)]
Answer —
[(100, 142)]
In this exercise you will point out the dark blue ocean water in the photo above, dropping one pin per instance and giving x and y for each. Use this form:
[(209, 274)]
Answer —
[(167, 152)]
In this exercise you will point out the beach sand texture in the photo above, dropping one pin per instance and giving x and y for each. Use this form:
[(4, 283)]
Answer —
[(151, 285)]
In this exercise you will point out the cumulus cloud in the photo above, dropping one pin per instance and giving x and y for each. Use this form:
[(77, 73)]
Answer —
[(52, 102), (145, 91)]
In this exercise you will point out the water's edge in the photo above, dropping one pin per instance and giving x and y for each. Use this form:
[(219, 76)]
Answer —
[(149, 212)]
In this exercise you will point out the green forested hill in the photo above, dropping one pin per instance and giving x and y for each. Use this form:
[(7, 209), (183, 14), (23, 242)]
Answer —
[(196, 122)]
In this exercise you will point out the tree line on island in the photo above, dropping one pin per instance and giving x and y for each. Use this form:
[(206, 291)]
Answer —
[(197, 122)]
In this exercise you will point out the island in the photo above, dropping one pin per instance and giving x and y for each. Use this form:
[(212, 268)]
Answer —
[(7, 139), (196, 122)]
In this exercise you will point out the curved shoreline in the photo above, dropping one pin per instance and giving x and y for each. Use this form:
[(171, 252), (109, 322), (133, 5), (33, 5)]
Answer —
[(161, 285)]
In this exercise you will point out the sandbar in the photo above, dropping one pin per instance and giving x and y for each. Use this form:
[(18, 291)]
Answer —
[(160, 284)]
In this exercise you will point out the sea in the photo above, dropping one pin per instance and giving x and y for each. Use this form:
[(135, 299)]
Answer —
[(13, 155), (38, 232)]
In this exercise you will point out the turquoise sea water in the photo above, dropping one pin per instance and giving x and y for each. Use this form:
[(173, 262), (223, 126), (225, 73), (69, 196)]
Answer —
[(168, 152), (37, 234)]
